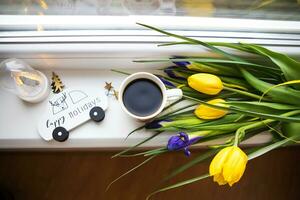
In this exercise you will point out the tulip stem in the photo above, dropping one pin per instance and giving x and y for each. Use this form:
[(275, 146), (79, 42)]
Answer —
[(242, 130), (255, 96)]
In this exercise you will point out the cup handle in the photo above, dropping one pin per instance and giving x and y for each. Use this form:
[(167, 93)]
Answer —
[(174, 94)]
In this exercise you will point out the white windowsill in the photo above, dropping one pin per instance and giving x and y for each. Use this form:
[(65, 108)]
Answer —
[(81, 49)]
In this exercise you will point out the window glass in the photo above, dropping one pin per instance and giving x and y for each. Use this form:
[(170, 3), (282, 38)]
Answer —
[(254, 9)]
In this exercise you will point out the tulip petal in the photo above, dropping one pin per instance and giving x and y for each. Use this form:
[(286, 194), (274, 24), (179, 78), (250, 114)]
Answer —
[(220, 179), (205, 83), (206, 112), (235, 165), (216, 165)]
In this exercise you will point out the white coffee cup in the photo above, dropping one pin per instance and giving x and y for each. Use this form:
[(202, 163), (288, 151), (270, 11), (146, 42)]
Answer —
[(167, 94)]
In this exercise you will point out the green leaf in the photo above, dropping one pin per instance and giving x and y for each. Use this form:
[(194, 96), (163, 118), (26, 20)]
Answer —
[(290, 129), (252, 113), (194, 93), (224, 120), (147, 153), (289, 66), (164, 150), (283, 94), (175, 43), (267, 115), (224, 61), (236, 46), (129, 171), (268, 148), (267, 106), (188, 121), (186, 182), (177, 110), (140, 143), (181, 115), (235, 81), (262, 108), (214, 69), (261, 4), (172, 104), (221, 127), (193, 162), (120, 72), (214, 49), (173, 80), (133, 131), (243, 92)]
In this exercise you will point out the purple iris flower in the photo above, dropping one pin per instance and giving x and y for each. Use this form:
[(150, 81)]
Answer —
[(171, 73), (155, 124), (181, 141), (181, 63), (166, 82)]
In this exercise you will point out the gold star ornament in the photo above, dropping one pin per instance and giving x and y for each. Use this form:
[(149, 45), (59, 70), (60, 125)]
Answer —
[(116, 94), (108, 86)]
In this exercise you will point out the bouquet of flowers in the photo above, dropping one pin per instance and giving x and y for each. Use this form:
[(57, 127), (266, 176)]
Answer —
[(228, 97)]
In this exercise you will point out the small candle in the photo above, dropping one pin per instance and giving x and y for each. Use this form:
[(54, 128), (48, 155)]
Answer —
[(18, 77)]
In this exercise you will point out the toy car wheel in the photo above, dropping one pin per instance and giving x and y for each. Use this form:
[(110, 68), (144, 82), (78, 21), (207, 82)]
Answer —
[(60, 134), (97, 114)]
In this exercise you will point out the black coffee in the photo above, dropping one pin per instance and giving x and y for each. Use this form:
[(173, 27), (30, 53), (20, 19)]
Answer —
[(142, 97)]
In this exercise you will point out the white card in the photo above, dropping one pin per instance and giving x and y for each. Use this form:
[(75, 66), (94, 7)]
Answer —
[(69, 109)]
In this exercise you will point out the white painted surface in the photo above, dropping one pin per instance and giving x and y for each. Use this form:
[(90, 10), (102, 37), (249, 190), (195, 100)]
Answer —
[(81, 22)]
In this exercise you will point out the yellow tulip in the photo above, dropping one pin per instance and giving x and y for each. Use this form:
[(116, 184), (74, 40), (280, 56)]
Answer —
[(228, 165), (205, 83), (206, 112)]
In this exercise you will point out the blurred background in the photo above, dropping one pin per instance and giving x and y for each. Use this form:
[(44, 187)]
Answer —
[(255, 9)]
